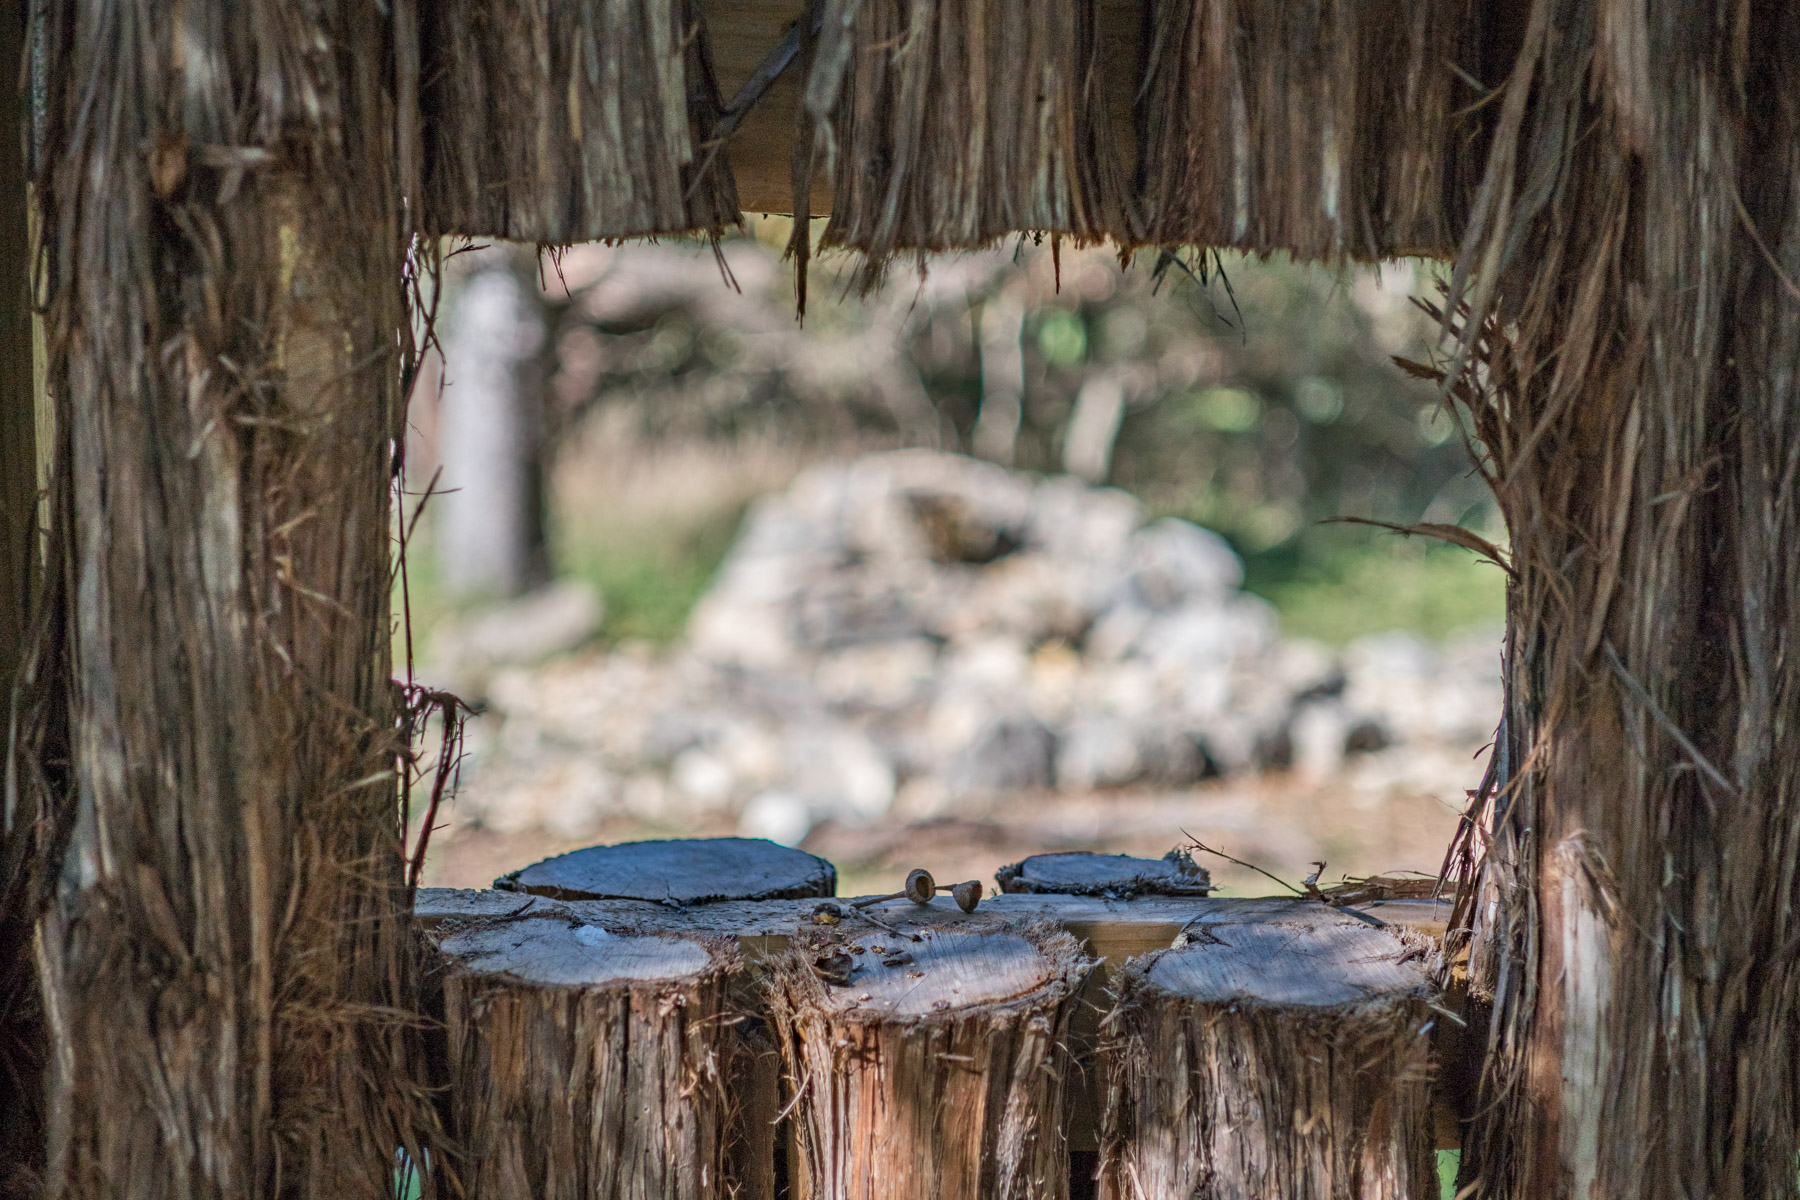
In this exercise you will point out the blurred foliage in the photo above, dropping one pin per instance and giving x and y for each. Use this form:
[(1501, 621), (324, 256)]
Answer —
[(1260, 400), (650, 577)]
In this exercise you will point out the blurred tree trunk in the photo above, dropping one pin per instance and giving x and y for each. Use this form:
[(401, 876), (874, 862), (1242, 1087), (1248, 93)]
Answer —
[(996, 433), (491, 519), (1638, 236), (228, 962)]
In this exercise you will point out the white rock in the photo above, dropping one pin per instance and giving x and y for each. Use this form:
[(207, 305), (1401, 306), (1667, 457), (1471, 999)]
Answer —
[(781, 817)]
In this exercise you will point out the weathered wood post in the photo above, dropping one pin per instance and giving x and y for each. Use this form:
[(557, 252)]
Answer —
[(605, 1060), (588, 1064), (1277, 1050), (1634, 337), (927, 1064), (227, 963)]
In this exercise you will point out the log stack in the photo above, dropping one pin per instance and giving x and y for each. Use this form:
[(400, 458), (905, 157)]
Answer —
[(1276, 1050)]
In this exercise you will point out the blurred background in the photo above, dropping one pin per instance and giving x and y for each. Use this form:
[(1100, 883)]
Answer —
[(1024, 550)]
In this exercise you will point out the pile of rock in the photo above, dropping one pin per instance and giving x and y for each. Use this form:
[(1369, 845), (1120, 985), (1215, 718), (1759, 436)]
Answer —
[(926, 632)]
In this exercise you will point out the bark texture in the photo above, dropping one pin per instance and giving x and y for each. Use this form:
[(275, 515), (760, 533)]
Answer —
[(557, 122), (930, 1068), (1630, 334), (22, 1040), (592, 1065), (946, 124), (1282, 1057), (1329, 130), (227, 963)]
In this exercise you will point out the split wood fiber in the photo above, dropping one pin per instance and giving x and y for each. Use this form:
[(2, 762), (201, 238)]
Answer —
[(1327, 129), (1285, 1058), (945, 124), (930, 1068), (588, 1064), (228, 961), (1630, 324), (561, 121)]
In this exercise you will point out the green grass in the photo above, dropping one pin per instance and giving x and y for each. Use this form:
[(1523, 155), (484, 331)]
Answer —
[(650, 578), (1377, 584), (1448, 1161)]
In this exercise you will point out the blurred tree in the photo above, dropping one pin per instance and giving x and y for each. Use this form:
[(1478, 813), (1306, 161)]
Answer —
[(490, 515)]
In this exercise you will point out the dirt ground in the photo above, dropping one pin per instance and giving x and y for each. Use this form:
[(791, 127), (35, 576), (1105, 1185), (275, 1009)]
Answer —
[(1383, 813)]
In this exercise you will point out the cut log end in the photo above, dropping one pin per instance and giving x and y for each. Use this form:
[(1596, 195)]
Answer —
[(1083, 873), (586, 1062), (681, 871), (932, 1067), (1316, 1021)]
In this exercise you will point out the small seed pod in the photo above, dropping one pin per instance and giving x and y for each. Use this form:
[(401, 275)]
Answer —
[(968, 894), (920, 886)]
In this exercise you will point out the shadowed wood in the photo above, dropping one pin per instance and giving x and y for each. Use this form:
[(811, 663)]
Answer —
[(1287, 1054), (679, 871), (931, 1068), (1082, 873)]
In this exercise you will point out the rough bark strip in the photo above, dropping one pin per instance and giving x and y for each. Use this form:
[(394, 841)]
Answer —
[(22, 1036), (228, 964), (558, 122), (932, 1069), (589, 1064), (1627, 307), (1325, 129), (1270, 1058), (950, 123)]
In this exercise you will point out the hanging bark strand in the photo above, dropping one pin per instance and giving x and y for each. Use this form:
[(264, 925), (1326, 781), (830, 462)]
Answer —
[(227, 964), (1325, 129), (588, 1064), (1271, 1053), (1634, 334), (569, 122), (945, 124), (931, 1069)]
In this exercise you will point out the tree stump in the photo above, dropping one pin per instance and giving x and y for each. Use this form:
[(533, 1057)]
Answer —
[(588, 1063), (679, 871), (1084, 873), (1280, 1053), (928, 1064)]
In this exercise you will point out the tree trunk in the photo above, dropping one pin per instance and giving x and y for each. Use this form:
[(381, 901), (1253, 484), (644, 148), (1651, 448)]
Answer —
[(1636, 328), (930, 1064), (490, 517), (588, 1064), (22, 1038), (1271, 1055), (227, 964)]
